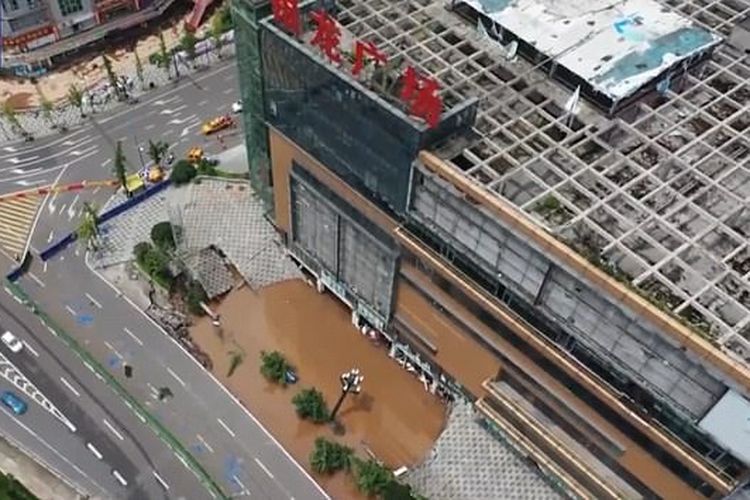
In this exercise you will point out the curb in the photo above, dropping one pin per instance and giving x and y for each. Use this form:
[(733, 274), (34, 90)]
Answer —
[(154, 424)]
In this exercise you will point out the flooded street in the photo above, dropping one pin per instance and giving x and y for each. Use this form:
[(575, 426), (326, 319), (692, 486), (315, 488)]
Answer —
[(393, 417)]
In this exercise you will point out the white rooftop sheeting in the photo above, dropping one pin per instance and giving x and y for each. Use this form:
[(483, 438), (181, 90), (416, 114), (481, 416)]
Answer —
[(616, 47)]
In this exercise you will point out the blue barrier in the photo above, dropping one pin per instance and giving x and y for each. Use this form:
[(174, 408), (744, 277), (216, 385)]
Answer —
[(21, 268), (60, 245), (57, 247)]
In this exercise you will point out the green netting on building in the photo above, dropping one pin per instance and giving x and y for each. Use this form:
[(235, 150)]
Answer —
[(246, 14)]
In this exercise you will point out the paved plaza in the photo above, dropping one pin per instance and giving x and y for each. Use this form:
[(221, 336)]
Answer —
[(467, 463)]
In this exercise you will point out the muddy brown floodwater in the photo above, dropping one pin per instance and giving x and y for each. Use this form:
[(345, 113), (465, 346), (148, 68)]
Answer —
[(393, 417)]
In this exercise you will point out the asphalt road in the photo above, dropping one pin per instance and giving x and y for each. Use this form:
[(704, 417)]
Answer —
[(101, 421), (231, 445)]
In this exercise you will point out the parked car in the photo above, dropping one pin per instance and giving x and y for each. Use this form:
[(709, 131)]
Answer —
[(14, 402), (12, 342), (237, 107)]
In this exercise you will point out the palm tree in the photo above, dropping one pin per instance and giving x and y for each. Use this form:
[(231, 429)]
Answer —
[(11, 116), (112, 77), (188, 44), (157, 151), (88, 227), (120, 168), (139, 69), (217, 30), (75, 98), (164, 59)]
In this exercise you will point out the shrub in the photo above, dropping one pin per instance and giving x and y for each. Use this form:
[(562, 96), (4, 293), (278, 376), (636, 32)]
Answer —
[(140, 251), (372, 477), (194, 295), (206, 168), (274, 366), (154, 263), (183, 172), (398, 491), (162, 236), (328, 457), (10, 488), (311, 405)]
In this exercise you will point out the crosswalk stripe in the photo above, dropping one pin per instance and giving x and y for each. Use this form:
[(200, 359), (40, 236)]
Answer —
[(16, 217)]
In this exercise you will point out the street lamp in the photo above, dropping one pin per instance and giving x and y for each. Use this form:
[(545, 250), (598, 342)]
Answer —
[(351, 382)]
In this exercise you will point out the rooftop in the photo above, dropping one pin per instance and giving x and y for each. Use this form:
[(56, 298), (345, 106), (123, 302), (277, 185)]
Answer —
[(658, 197)]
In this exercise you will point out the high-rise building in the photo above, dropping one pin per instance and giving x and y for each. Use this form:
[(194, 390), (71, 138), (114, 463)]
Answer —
[(567, 244)]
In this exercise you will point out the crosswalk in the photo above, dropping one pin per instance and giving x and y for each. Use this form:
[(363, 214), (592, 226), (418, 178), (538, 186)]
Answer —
[(16, 218)]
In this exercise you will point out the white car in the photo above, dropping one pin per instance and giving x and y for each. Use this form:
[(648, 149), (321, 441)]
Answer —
[(12, 342), (237, 107)]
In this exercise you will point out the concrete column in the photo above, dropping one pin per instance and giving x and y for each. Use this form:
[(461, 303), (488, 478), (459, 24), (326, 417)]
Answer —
[(320, 286)]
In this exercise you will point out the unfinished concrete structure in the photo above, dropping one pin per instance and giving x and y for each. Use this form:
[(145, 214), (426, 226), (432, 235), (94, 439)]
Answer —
[(575, 262)]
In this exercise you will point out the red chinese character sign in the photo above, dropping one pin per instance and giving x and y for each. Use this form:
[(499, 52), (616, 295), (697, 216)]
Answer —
[(286, 13), (421, 94), (327, 35), (364, 51)]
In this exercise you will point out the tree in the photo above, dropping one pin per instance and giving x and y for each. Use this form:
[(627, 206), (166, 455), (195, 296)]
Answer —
[(112, 77), (139, 68), (162, 236), (372, 477), (187, 43), (157, 151), (397, 491), (47, 108), (88, 227), (311, 405), (328, 457), (273, 366), (235, 360), (194, 295), (182, 173), (11, 116), (164, 58), (11, 489), (217, 30), (120, 169), (75, 98)]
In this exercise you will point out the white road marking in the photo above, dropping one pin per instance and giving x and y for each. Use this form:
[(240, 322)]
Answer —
[(133, 336), (51, 234), (226, 427), (203, 102), (70, 387), (111, 347), (241, 485), (182, 383), (93, 300), (62, 208), (119, 478), (149, 126), (71, 310), (96, 190), (45, 266), (161, 481), (16, 160), (204, 443), (228, 91), (265, 469), (31, 349), (37, 280), (92, 449), (106, 162), (91, 368), (30, 183), (179, 457), (71, 208), (113, 430)]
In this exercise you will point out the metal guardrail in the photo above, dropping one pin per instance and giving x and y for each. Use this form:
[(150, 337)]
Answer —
[(152, 422)]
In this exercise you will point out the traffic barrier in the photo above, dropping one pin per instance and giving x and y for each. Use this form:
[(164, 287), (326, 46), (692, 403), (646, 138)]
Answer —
[(76, 186), (22, 267), (57, 247), (63, 243), (131, 402)]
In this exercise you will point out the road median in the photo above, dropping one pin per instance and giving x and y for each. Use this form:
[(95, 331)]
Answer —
[(156, 426)]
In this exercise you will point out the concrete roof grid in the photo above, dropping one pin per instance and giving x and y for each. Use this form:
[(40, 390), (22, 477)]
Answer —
[(661, 192)]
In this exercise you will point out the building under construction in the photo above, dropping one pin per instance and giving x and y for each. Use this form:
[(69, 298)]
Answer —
[(568, 246)]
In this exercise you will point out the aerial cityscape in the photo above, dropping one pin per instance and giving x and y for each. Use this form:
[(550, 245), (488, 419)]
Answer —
[(392, 249)]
